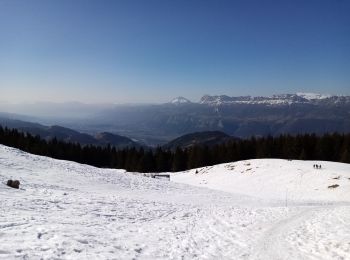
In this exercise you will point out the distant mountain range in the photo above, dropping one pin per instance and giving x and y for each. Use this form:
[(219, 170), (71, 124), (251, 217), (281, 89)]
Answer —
[(209, 138), (284, 99), (242, 117), (237, 116), (68, 135)]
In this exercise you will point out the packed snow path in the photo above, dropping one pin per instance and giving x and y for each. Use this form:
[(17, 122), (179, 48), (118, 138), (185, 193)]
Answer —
[(65, 210)]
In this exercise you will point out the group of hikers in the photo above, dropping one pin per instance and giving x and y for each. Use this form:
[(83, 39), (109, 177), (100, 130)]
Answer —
[(316, 166)]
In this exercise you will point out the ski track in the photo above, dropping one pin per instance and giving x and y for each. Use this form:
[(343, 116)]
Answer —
[(69, 211), (313, 233)]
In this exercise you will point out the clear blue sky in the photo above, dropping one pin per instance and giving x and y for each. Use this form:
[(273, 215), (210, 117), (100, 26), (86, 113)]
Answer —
[(151, 51)]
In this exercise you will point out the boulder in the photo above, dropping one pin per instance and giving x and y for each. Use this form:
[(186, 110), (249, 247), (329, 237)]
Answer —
[(13, 184)]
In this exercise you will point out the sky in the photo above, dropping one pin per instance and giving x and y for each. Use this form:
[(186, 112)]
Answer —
[(128, 51)]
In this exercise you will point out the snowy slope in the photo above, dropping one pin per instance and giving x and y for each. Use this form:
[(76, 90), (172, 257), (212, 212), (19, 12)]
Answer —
[(294, 181), (65, 210)]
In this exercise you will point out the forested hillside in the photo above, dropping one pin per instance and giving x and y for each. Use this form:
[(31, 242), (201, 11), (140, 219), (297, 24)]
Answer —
[(329, 147)]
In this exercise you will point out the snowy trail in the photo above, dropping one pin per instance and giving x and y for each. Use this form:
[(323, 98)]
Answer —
[(310, 234), (273, 244), (71, 211)]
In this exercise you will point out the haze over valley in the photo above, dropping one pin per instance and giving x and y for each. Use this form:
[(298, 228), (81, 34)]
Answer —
[(241, 117)]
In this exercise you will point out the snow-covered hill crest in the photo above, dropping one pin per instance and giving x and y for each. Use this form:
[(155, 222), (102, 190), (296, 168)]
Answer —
[(290, 180)]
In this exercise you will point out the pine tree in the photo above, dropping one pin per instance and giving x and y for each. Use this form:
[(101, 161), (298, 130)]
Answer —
[(345, 157), (302, 155), (179, 161)]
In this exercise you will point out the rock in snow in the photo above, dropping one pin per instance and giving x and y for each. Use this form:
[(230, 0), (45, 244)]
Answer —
[(13, 184), (257, 209)]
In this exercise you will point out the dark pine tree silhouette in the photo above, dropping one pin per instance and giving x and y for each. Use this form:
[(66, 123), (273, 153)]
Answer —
[(330, 147)]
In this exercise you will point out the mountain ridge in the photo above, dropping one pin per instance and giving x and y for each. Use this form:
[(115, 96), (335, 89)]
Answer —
[(242, 117), (69, 135), (280, 99), (205, 138)]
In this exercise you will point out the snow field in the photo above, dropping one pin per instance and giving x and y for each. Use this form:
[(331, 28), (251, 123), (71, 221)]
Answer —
[(65, 210), (290, 181)]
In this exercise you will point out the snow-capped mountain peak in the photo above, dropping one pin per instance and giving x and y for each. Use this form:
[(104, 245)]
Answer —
[(311, 96), (180, 100)]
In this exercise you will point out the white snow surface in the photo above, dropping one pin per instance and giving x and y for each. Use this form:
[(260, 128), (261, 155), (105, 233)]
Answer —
[(258, 209), (275, 179)]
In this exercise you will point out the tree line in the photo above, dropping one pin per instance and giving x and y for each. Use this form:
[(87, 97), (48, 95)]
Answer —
[(329, 147)]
